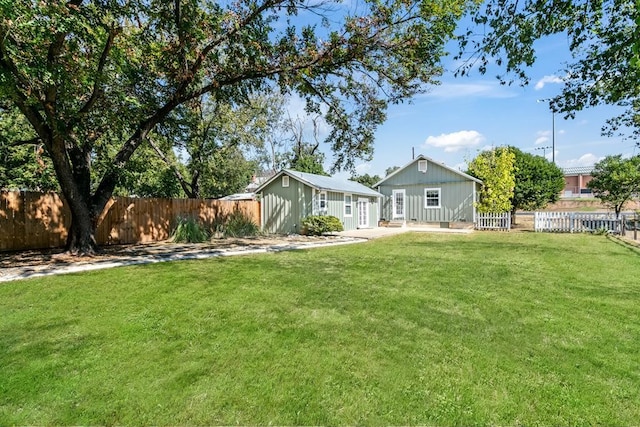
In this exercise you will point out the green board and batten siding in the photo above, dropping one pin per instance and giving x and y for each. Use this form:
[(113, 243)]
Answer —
[(457, 193), (283, 208)]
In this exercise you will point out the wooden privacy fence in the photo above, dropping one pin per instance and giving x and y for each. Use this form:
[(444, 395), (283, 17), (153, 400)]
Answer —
[(576, 222), (493, 221), (30, 220)]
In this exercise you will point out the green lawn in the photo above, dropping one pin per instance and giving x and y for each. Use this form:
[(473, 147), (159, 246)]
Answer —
[(488, 328)]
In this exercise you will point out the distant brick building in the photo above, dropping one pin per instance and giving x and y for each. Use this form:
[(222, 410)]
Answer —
[(576, 180)]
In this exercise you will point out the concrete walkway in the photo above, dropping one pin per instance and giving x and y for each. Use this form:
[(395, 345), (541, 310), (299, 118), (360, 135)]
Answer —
[(176, 252), (163, 253)]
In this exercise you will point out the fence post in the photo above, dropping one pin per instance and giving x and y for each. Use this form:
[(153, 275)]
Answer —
[(635, 226)]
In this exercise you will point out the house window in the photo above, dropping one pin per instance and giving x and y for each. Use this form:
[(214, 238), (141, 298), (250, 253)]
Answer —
[(431, 198), (322, 202), (285, 181), (422, 166), (348, 205)]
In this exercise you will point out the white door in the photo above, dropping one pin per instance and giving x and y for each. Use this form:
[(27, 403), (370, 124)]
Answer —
[(398, 204), (363, 213)]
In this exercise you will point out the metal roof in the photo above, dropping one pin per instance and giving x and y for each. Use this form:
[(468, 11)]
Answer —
[(429, 159), (578, 170), (325, 183)]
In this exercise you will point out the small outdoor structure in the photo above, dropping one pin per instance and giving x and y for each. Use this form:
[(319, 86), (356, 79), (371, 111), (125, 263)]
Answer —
[(290, 196), (425, 191)]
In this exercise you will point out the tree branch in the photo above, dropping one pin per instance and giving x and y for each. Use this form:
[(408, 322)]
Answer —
[(113, 32), (183, 182)]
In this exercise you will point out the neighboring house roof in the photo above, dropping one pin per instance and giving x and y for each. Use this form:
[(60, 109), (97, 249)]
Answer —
[(239, 196), (256, 180), (578, 170), (324, 183), (421, 157)]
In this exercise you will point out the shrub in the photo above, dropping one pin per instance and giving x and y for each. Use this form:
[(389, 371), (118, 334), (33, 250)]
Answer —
[(188, 230), (316, 225), (240, 225)]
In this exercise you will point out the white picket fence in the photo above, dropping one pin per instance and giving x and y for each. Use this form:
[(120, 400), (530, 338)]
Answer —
[(493, 221), (576, 222)]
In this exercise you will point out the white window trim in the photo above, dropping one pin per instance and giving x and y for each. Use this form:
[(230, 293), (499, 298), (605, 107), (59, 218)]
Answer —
[(422, 162), (350, 204), (439, 190), (322, 210), (285, 181)]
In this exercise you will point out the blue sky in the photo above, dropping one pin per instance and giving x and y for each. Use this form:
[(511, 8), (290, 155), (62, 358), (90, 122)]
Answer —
[(465, 115)]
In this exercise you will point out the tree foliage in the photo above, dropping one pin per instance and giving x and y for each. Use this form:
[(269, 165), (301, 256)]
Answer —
[(538, 182), (603, 37), (615, 181), (496, 170), (366, 179), (215, 138), (24, 164), (98, 78)]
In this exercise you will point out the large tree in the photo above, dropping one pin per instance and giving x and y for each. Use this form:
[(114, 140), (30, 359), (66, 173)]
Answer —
[(538, 182), (215, 139), (366, 179), (495, 168), (87, 73), (616, 180), (603, 37)]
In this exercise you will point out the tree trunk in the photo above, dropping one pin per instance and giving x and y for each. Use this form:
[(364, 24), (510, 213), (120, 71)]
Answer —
[(513, 217), (73, 169), (81, 239)]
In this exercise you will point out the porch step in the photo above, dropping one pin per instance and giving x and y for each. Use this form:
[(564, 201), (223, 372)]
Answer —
[(397, 224)]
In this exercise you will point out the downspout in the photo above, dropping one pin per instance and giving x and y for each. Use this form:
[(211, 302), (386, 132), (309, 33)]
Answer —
[(262, 211)]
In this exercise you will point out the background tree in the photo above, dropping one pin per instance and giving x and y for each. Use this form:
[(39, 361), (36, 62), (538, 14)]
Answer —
[(146, 175), (615, 181), (24, 164), (304, 154), (216, 138), (603, 38), (366, 179), (496, 170), (388, 171), (538, 182), (88, 74)]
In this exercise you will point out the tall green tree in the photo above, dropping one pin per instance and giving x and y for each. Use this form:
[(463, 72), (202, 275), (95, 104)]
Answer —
[(97, 73), (603, 37), (304, 154), (615, 181), (496, 170), (538, 182), (216, 138), (24, 164), (366, 179)]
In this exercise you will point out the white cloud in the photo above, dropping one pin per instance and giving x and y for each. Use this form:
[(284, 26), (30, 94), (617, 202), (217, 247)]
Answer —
[(542, 136), (455, 141), (547, 79), (588, 159)]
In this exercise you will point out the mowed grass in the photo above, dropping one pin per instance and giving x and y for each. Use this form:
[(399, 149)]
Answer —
[(508, 329)]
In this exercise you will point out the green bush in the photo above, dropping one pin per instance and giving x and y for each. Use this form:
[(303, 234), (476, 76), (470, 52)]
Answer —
[(188, 230), (316, 225), (240, 225)]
